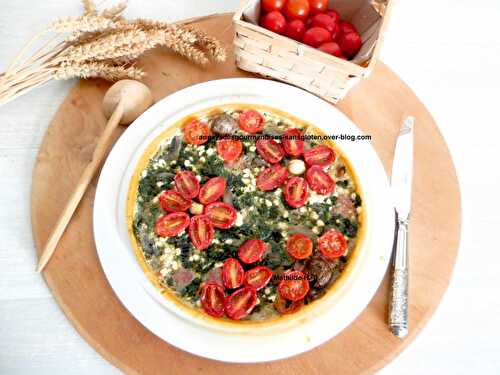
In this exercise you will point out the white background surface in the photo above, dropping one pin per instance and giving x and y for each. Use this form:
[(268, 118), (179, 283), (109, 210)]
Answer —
[(448, 51)]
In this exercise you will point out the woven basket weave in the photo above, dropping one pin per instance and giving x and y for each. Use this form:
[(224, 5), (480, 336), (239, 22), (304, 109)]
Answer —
[(271, 55)]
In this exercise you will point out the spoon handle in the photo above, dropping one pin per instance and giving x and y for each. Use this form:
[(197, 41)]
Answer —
[(100, 152)]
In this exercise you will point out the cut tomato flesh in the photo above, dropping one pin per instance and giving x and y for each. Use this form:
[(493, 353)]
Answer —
[(172, 224), (258, 277), (332, 244), (212, 299), (241, 303), (320, 181), (251, 251), (271, 178), (221, 214), (232, 273), (296, 192), (187, 184), (294, 286), (173, 201), (201, 231), (319, 155), (212, 190)]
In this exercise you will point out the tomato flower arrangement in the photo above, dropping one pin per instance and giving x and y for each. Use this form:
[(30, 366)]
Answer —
[(312, 23), (216, 234)]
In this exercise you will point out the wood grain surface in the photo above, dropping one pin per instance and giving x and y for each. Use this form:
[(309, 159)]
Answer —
[(377, 106)]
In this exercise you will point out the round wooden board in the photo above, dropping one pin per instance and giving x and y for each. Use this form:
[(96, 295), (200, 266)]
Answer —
[(377, 105)]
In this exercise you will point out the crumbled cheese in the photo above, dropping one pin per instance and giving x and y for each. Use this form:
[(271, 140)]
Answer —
[(210, 151), (252, 148), (302, 210), (228, 241), (314, 216), (187, 163), (268, 203), (315, 230), (239, 220), (320, 223)]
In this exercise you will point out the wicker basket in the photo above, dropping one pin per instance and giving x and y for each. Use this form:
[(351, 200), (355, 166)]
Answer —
[(271, 55)]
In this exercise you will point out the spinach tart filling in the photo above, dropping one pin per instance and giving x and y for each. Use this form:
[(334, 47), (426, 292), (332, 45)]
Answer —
[(238, 215)]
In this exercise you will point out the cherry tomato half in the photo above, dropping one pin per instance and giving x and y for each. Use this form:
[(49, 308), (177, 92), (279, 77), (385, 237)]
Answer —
[(251, 121), (297, 9), (292, 144), (172, 224), (272, 177), (296, 192), (331, 48), (319, 155), (229, 149), (318, 6), (221, 214), (187, 184), (319, 181), (270, 150), (251, 251), (334, 14), (299, 246), (332, 244), (201, 231), (173, 201), (258, 277), (350, 44), (284, 306), (294, 285), (316, 36), (347, 27), (196, 132), (274, 21), (324, 21), (241, 303), (232, 273), (212, 299), (212, 190), (270, 5), (295, 29)]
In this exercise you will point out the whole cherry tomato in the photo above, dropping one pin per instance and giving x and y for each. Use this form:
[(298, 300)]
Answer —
[(331, 48), (350, 44), (347, 27), (316, 36), (295, 29), (324, 21), (318, 6), (297, 9), (274, 21), (270, 5), (334, 14)]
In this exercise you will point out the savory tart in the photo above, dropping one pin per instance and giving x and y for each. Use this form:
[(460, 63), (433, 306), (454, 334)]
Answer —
[(244, 213)]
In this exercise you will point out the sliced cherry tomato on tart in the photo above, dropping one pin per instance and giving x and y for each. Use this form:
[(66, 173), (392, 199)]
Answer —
[(292, 144), (229, 149), (272, 177), (173, 201), (284, 306), (212, 190), (232, 273), (221, 214), (319, 155), (187, 184), (332, 244), (201, 231), (241, 303), (320, 181), (299, 246), (196, 132), (212, 299), (296, 192), (251, 251), (270, 150), (258, 277), (294, 285), (172, 224), (251, 121)]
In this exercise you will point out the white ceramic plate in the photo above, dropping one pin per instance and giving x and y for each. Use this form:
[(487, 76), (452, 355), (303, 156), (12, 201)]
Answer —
[(147, 305)]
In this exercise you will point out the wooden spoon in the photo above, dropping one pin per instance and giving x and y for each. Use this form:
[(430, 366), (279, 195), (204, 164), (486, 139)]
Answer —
[(123, 103)]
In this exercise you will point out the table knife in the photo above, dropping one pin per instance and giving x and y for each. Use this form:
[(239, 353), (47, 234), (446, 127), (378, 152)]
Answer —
[(401, 184)]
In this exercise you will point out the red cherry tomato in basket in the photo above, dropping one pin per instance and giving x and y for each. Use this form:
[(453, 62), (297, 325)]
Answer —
[(296, 192), (187, 184), (292, 144), (299, 246), (318, 6), (274, 21), (196, 132), (347, 27), (270, 150), (294, 285), (212, 299), (221, 214), (324, 21), (332, 244), (201, 231), (251, 251), (319, 155), (270, 5), (319, 181), (229, 149), (232, 273), (258, 277), (297, 9), (331, 48), (172, 224), (212, 190), (295, 29), (271, 178), (334, 15), (350, 44), (251, 121), (241, 303), (316, 36), (173, 201)]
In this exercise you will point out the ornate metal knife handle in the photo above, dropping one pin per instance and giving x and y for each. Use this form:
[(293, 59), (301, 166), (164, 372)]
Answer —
[(398, 307)]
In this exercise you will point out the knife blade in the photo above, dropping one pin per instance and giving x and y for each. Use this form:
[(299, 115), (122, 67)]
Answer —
[(401, 185)]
